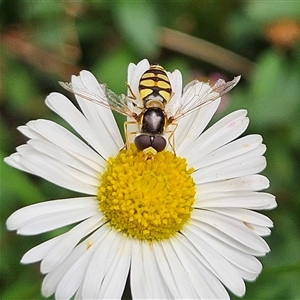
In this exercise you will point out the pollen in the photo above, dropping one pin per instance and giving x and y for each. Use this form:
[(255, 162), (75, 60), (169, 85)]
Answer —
[(149, 200)]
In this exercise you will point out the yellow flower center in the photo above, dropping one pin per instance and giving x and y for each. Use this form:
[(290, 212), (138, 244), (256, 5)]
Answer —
[(147, 199)]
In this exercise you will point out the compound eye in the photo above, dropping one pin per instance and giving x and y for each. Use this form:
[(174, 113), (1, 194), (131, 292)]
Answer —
[(142, 142), (159, 143)]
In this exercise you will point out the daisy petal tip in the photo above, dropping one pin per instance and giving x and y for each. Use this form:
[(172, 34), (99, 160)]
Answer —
[(143, 62), (85, 73), (73, 78), (8, 159), (131, 65), (12, 222), (26, 259), (21, 128), (240, 290), (237, 79), (46, 290), (10, 227), (52, 98), (142, 66), (244, 113), (49, 98), (273, 204), (176, 78)]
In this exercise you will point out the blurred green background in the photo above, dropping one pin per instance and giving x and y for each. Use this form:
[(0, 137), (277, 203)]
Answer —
[(43, 42)]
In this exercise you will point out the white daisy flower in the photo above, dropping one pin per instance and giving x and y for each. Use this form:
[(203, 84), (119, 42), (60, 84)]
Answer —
[(181, 226)]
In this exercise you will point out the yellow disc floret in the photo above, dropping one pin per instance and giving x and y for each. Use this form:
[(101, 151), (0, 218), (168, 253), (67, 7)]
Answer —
[(146, 199)]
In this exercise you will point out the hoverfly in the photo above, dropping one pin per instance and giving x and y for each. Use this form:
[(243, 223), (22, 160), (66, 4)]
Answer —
[(155, 92)]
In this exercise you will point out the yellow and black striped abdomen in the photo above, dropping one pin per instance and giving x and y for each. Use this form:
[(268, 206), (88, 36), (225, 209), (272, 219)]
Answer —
[(155, 84)]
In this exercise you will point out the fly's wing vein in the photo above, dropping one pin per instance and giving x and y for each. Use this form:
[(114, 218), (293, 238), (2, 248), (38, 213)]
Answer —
[(105, 98), (198, 101)]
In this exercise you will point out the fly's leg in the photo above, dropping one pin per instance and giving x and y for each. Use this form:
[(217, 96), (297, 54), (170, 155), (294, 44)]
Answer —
[(171, 137), (126, 133), (132, 95)]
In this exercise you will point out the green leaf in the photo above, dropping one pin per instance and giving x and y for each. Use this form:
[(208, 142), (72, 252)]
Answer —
[(112, 70), (274, 90), (139, 23), (21, 91)]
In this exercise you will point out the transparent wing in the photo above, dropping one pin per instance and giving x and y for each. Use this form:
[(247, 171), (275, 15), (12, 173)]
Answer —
[(105, 98), (200, 98)]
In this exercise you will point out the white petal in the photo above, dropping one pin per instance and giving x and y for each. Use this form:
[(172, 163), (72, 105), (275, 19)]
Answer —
[(71, 159), (190, 128), (147, 281), (51, 221), (217, 264), (134, 75), (30, 133), (59, 174), (193, 94), (183, 282), (244, 262), (38, 252), (245, 215), (99, 117), (176, 84), (138, 284), (155, 282), (233, 229), (248, 276), (98, 264), (23, 215), (114, 282), (224, 238), (205, 282), (233, 149), (252, 200), (61, 250), (94, 136), (259, 230), (14, 160), (243, 165), (191, 97), (246, 183), (73, 278), (219, 134), (78, 295), (165, 270), (53, 278), (73, 166), (64, 139), (130, 71)]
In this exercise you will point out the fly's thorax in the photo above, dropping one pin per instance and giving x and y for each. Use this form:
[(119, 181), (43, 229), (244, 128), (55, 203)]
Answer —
[(153, 121)]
